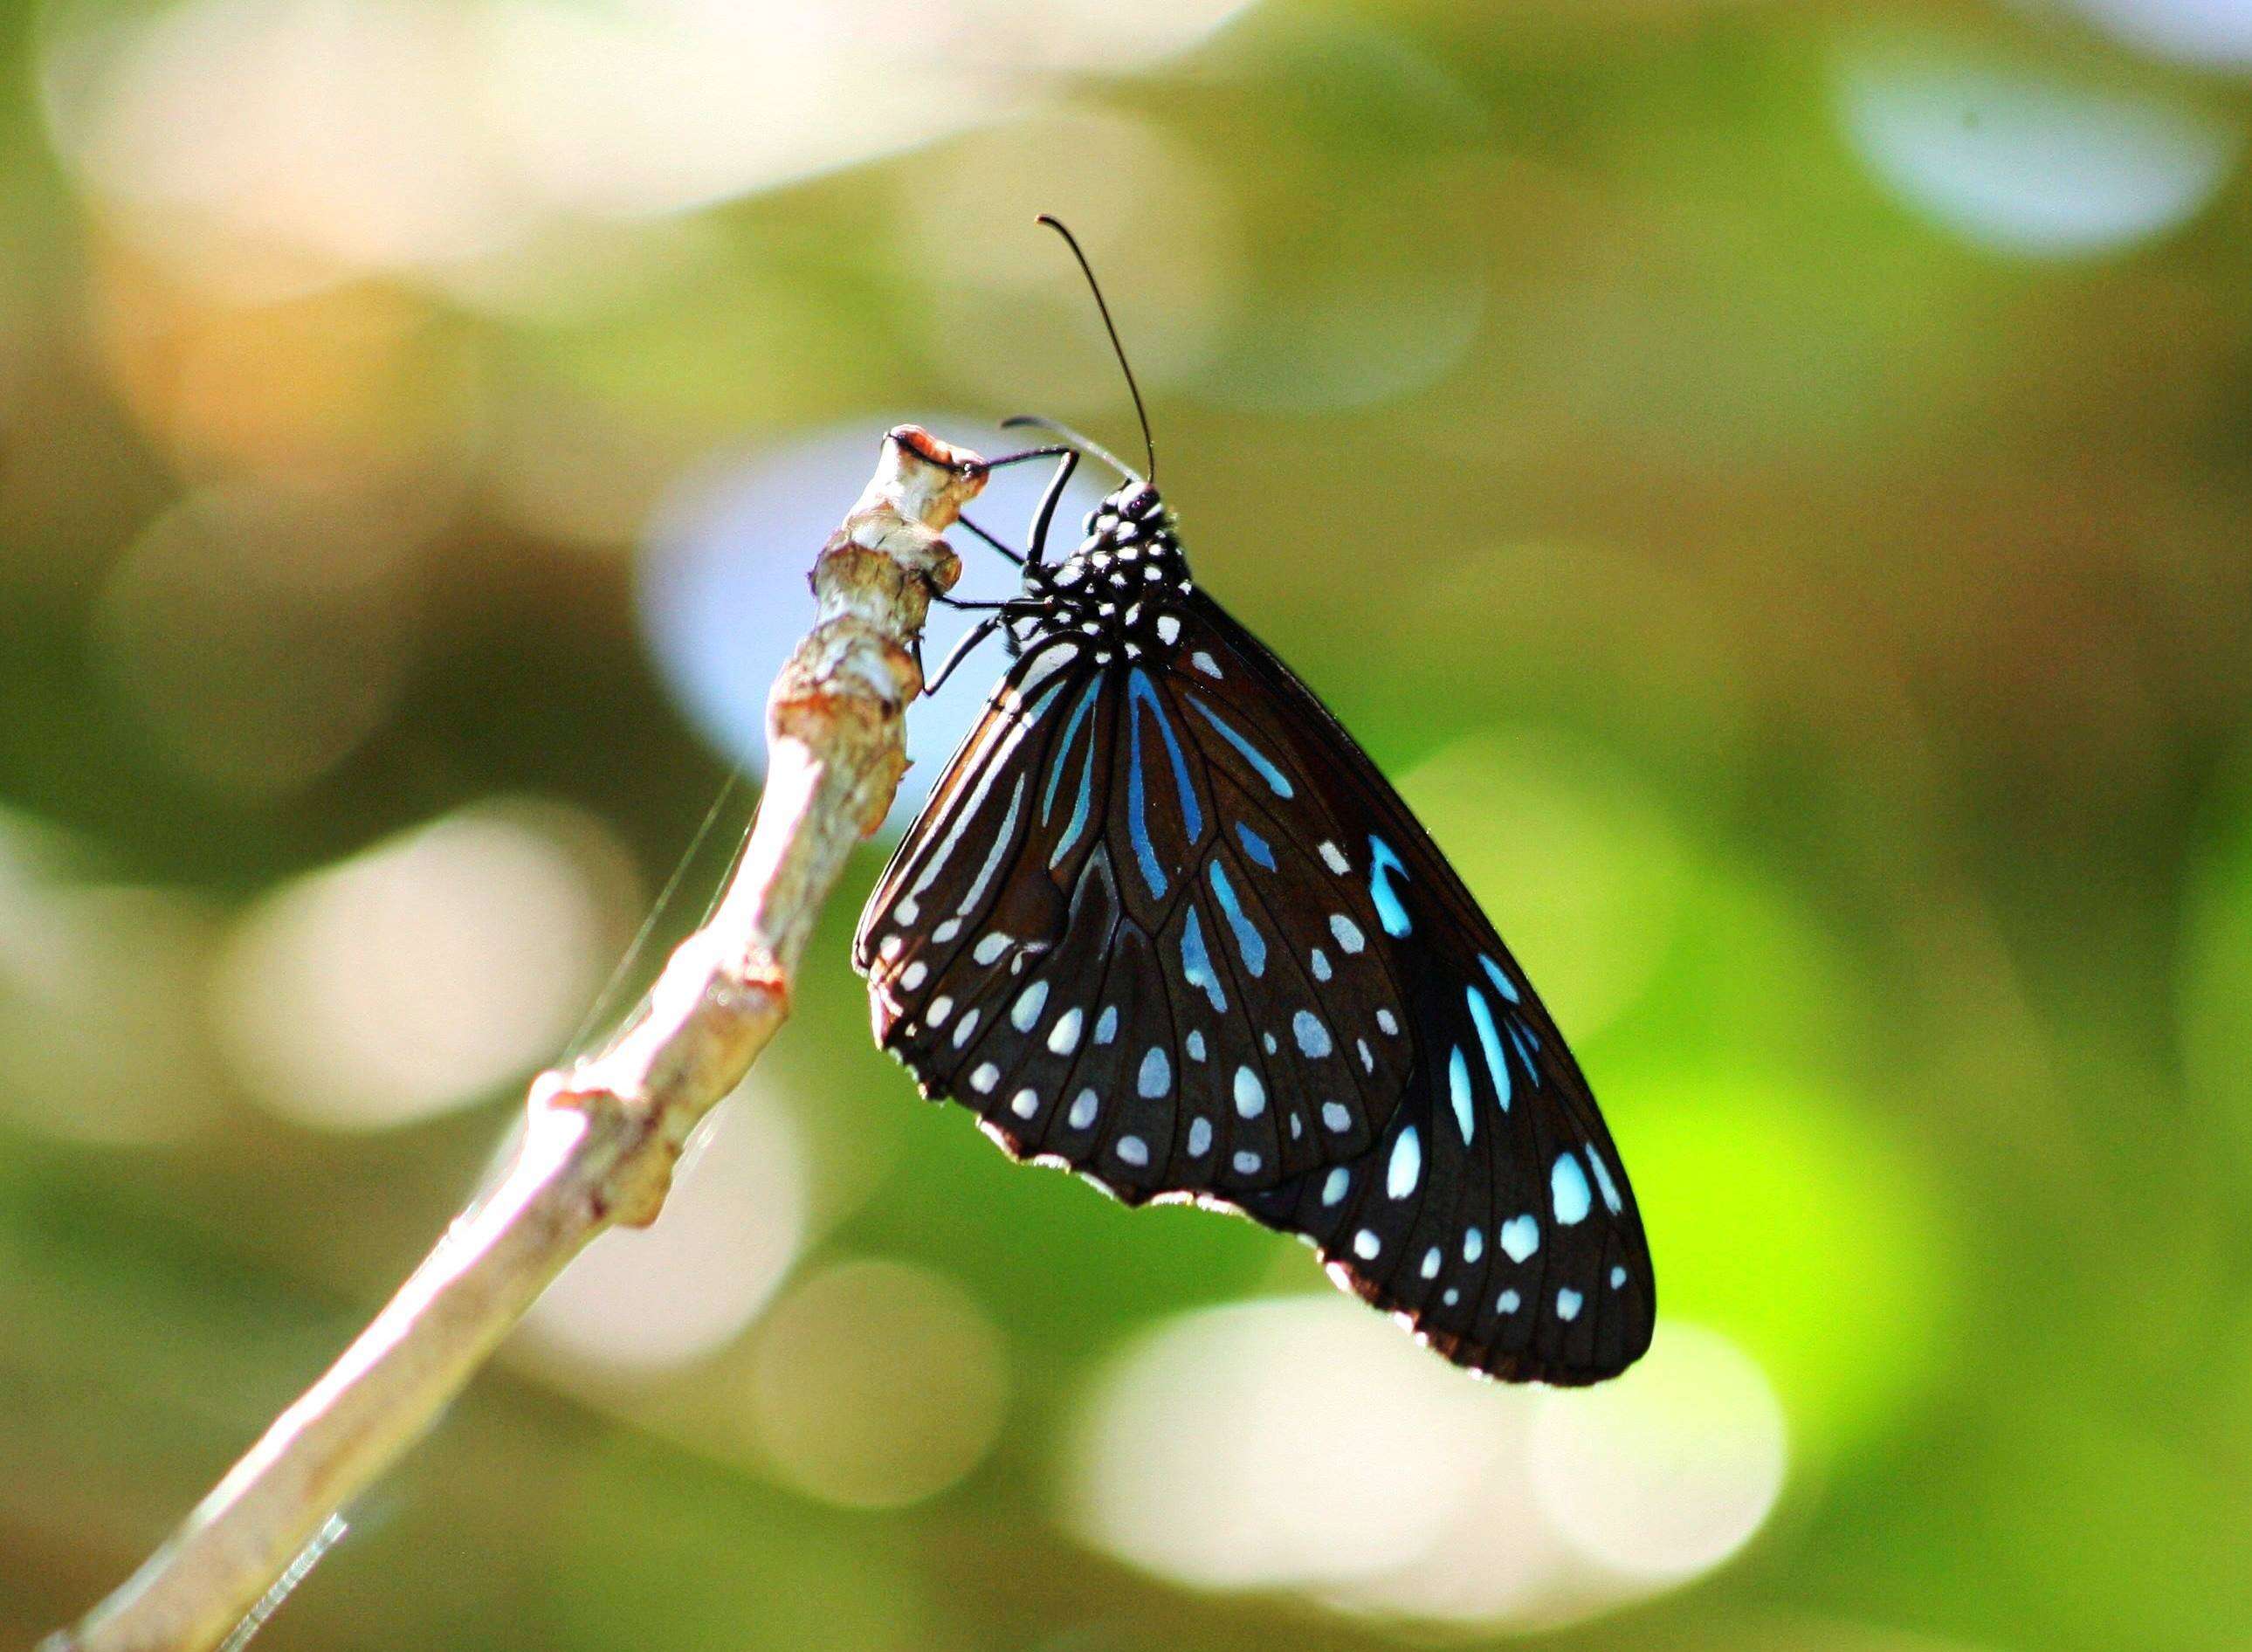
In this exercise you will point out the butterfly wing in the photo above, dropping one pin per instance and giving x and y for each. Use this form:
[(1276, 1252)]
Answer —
[(1163, 923), (1083, 939), (1493, 1212)]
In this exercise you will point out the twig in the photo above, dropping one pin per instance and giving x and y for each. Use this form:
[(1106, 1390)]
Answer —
[(602, 1137)]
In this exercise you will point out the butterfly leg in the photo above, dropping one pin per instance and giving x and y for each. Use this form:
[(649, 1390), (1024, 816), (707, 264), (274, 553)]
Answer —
[(1045, 516), (1015, 557), (978, 634)]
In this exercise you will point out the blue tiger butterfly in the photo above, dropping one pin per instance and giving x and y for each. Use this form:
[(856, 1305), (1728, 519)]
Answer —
[(1163, 923)]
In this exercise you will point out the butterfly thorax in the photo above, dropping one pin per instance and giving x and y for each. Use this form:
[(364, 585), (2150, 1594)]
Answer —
[(1117, 587)]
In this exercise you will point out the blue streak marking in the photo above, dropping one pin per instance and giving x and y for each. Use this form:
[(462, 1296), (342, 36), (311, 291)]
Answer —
[(1458, 1091), (1248, 942), (1139, 687), (1490, 1040), (1525, 1043), (1276, 781), (1611, 1200), (1137, 823), (1382, 864), (1078, 823), (1063, 747), (1502, 983), (1196, 963), (1255, 846)]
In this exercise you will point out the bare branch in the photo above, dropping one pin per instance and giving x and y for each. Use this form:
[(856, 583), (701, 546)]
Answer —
[(602, 1137)]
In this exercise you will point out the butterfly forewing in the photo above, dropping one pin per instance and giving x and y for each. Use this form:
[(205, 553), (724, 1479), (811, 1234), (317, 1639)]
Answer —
[(1165, 923)]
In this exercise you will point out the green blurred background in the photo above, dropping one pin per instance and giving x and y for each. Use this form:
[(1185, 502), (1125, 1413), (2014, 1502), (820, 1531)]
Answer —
[(1769, 479)]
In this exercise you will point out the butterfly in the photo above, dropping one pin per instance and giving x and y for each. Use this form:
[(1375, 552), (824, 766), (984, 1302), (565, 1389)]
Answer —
[(1163, 923)]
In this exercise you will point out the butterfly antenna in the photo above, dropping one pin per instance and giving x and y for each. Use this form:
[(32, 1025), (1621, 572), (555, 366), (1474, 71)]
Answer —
[(1094, 449), (1148, 443)]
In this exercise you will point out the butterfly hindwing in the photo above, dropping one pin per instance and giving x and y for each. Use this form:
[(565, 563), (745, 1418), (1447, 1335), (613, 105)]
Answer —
[(1493, 1212)]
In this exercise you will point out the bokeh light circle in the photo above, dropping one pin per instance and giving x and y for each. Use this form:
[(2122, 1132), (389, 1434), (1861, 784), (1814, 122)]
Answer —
[(424, 972), (641, 1302), (2018, 159), (876, 1384), (1302, 1443), (1666, 1472)]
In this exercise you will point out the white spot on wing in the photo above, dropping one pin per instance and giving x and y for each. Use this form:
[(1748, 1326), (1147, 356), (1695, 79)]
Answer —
[(1063, 1038), (1347, 932), (1027, 1009), (1082, 1110), (963, 1028), (986, 1077), (1333, 1188), (1333, 857), (1520, 1236), (1366, 1245), (1250, 1094), (1206, 664), (1024, 1103), (1407, 1167), (1313, 1038), (991, 946)]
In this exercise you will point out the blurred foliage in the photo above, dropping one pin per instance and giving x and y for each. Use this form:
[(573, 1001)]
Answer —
[(1770, 481)]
